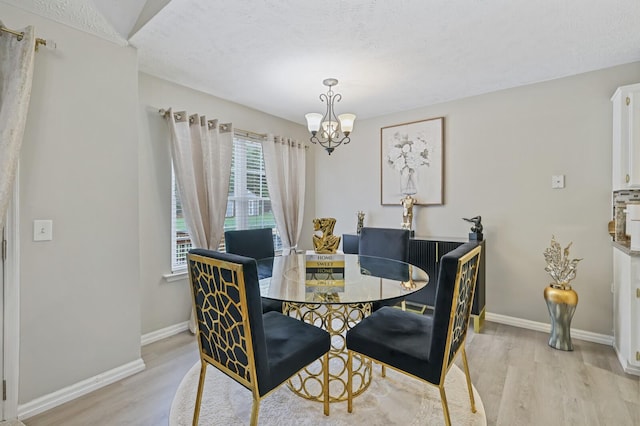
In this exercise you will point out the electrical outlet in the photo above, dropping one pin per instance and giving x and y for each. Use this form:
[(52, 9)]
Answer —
[(557, 181)]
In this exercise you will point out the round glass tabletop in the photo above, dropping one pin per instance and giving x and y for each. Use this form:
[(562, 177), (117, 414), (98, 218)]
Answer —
[(337, 279)]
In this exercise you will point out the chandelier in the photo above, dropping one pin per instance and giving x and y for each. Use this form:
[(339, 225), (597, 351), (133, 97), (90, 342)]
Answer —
[(327, 130)]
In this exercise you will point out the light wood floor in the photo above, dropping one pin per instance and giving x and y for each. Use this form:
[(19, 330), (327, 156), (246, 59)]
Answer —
[(522, 381)]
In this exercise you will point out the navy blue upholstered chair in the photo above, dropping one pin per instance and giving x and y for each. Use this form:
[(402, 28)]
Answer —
[(423, 347), (259, 351), (258, 244), (390, 243)]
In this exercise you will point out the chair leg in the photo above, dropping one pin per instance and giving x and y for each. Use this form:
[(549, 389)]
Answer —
[(349, 381), (196, 410), (255, 407), (325, 385), (466, 372), (445, 406), (384, 371)]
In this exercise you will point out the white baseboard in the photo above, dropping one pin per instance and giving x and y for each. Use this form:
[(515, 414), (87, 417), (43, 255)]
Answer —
[(76, 390), (163, 333), (587, 336)]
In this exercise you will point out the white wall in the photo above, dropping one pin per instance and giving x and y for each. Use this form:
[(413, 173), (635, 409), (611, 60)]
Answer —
[(167, 303), (501, 150), (79, 294)]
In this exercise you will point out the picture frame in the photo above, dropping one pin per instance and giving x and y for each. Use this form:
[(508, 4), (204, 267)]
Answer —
[(411, 162)]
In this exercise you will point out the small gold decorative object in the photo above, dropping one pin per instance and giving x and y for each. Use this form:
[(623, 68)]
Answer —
[(560, 297), (612, 229), (407, 211), (323, 239)]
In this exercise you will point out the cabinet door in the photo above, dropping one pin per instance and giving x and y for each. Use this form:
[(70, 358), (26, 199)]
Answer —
[(626, 137), (445, 247), (632, 104), (633, 325), (622, 273), (620, 147), (426, 255), (636, 321), (423, 254)]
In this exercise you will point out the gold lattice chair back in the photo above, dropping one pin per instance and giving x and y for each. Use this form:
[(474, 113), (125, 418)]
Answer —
[(465, 283), (221, 311), (235, 337)]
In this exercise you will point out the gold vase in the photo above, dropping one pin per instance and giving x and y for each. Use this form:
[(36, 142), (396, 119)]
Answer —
[(562, 305)]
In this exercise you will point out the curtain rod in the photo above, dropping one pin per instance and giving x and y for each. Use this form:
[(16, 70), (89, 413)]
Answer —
[(20, 35), (235, 130)]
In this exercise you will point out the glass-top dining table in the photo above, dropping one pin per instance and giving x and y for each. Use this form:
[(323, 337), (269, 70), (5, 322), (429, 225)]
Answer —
[(335, 298)]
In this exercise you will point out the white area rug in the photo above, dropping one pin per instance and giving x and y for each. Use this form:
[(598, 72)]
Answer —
[(396, 399), (11, 423)]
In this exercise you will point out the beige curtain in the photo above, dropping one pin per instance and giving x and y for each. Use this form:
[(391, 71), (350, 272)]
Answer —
[(16, 74), (285, 165), (201, 152)]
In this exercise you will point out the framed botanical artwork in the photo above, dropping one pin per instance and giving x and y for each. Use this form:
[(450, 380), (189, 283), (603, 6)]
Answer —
[(411, 162)]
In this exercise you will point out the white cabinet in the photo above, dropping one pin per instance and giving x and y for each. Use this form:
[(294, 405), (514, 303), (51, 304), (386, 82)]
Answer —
[(626, 309), (626, 137)]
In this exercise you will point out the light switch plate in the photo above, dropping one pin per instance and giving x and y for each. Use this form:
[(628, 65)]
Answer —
[(42, 230), (557, 181)]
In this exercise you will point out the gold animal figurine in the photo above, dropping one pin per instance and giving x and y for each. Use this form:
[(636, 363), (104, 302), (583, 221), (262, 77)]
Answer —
[(326, 242)]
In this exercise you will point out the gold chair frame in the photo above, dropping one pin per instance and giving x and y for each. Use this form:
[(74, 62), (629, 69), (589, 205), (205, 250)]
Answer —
[(467, 269), (243, 374)]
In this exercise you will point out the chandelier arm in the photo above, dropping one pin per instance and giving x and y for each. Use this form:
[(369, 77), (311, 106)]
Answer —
[(332, 143), (329, 108), (336, 98)]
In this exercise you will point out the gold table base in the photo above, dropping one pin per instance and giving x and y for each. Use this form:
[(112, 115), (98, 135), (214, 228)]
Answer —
[(336, 319)]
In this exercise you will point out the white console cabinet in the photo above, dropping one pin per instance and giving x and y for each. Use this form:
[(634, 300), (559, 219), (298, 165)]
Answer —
[(626, 308), (626, 137)]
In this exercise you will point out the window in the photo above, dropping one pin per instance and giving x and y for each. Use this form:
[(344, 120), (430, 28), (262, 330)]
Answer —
[(180, 241), (248, 204)]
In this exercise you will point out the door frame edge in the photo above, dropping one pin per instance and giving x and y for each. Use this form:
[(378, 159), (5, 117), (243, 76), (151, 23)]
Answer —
[(11, 333)]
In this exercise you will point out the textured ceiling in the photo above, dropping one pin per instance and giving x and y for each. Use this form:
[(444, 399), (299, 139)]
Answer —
[(80, 14), (389, 55)]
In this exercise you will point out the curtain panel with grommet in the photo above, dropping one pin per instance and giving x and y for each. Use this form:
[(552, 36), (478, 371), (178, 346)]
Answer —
[(16, 75), (285, 166), (201, 152)]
